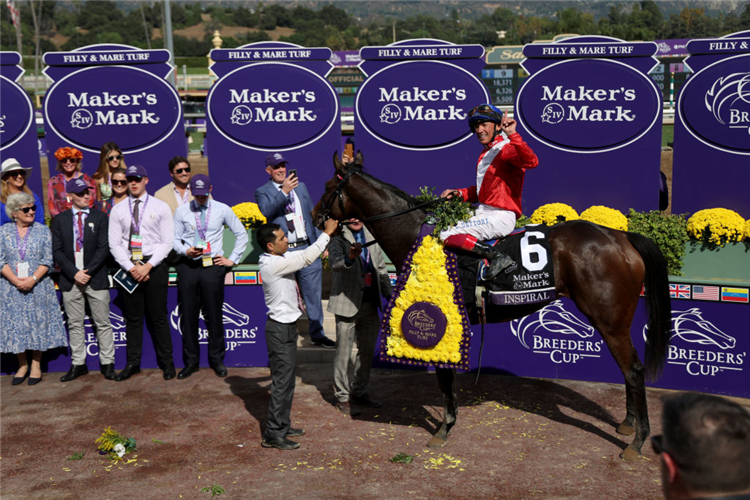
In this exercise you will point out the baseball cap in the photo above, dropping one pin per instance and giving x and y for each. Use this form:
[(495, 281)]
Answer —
[(77, 185), (274, 159), (200, 185), (136, 171)]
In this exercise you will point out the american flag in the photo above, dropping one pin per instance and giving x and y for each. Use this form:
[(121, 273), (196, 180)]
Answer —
[(701, 292), (679, 291)]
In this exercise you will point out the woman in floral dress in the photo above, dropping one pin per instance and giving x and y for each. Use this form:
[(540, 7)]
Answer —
[(30, 314), (69, 166)]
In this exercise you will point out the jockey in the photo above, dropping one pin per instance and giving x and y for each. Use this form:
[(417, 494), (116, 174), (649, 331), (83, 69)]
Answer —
[(500, 171)]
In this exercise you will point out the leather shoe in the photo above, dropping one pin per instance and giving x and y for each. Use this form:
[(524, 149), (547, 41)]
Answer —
[(345, 408), (74, 372), (19, 380), (365, 401), (34, 381), (279, 443), (127, 372), (189, 369), (169, 372), (295, 432), (220, 369), (108, 371)]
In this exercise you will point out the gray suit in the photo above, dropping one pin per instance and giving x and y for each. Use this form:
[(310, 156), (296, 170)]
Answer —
[(356, 311)]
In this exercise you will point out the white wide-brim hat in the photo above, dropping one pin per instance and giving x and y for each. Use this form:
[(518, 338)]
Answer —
[(12, 164)]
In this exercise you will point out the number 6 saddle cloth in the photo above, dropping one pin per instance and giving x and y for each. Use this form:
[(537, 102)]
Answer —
[(531, 280)]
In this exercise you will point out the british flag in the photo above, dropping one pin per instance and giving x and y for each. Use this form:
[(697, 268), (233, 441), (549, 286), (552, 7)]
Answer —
[(679, 291)]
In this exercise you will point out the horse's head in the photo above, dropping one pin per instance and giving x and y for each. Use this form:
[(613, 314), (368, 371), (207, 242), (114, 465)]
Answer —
[(335, 203)]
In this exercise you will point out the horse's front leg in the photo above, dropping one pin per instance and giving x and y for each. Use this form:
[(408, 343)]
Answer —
[(447, 382)]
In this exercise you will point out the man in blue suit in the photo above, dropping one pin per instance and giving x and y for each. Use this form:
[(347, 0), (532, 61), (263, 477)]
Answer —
[(285, 201)]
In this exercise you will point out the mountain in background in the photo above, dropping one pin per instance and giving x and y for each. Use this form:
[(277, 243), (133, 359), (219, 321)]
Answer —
[(468, 9)]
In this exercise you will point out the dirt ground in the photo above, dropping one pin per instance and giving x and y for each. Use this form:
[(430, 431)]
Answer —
[(515, 438)]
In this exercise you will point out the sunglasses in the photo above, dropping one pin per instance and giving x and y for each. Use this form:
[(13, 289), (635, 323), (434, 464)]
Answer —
[(119, 183), (135, 179), (276, 167), (17, 173), (480, 109), (26, 210), (69, 160), (181, 170), (114, 157)]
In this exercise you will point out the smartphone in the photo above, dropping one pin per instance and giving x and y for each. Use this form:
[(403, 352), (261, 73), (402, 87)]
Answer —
[(293, 173), (349, 150)]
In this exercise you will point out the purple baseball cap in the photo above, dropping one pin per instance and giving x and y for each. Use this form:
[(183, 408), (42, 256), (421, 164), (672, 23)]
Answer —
[(200, 185), (274, 159), (136, 171), (77, 185)]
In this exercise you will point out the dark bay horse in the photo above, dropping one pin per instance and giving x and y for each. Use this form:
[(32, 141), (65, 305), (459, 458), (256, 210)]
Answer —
[(601, 270)]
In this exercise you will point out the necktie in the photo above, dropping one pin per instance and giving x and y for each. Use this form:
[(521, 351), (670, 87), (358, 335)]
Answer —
[(203, 217), (289, 209), (79, 239), (136, 216), (365, 255)]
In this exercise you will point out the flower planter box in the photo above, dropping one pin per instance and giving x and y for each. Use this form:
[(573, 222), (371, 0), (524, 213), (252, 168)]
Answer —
[(252, 252), (732, 261)]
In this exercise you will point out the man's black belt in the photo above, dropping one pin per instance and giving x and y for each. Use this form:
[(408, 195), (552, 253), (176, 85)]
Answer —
[(299, 243), (280, 323)]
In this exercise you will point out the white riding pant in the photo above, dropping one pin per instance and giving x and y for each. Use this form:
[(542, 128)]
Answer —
[(487, 223)]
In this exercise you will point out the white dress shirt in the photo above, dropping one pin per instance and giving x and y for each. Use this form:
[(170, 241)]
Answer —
[(279, 286), (221, 215)]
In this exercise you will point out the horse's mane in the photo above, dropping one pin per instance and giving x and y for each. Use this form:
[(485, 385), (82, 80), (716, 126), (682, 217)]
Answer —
[(400, 193)]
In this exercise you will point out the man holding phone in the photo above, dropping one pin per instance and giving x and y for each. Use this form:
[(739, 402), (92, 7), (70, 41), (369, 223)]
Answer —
[(284, 200)]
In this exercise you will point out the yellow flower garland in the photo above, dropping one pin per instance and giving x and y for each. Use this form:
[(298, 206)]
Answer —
[(605, 216), (249, 214), (552, 213), (717, 225), (428, 282)]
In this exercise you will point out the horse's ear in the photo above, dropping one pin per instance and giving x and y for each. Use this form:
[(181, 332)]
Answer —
[(359, 159), (337, 162)]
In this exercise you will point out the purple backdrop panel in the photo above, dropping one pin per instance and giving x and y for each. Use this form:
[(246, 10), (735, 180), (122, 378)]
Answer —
[(265, 101), (17, 127), (712, 127), (410, 113), (114, 93), (592, 114)]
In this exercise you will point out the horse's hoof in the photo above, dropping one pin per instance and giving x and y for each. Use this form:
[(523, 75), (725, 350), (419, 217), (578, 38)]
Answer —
[(625, 430), (437, 442), (630, 454)]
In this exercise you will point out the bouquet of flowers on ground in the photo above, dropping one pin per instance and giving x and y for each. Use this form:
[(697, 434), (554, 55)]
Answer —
[(115, 445), (249, 214)]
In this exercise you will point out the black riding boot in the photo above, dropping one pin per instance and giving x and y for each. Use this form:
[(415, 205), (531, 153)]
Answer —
[(498, 260)]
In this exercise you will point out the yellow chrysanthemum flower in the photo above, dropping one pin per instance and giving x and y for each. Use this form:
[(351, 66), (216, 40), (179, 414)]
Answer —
[(552, 213), (718, 226), (249, 214), (605, 216)]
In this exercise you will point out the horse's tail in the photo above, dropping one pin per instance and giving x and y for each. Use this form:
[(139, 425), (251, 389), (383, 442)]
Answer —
[(657, 298)]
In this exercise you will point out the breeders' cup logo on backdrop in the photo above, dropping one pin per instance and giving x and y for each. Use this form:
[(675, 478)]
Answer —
[(419, 105), (93, 105), (714, 105), (566, 108), (92, 344), (271, 106), (235, 322), (16, 112), (539, 332), (700, 346)]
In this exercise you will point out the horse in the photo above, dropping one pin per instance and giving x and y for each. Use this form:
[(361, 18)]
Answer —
[(601, 270)]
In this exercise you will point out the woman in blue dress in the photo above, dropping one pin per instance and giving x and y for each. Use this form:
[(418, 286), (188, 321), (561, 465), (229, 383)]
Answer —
[(30, 315)]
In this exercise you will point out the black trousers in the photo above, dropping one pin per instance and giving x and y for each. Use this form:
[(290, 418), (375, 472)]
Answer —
[(149, 299), (201, 288), (281, 340)]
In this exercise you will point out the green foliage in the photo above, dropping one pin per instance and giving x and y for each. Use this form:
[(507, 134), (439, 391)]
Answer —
[(402, 458), (522, 221), (76, 456), (156, 441), (447, 213), (214, 489), (669, 232), (110, 439)]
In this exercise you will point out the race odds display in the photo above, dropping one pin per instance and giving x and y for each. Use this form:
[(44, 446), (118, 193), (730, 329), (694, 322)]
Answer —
[(592, 115), (271, 97), (712, 127), (119, 93)]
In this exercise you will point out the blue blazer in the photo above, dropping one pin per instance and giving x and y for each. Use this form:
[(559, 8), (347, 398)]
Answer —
[(272, 202)]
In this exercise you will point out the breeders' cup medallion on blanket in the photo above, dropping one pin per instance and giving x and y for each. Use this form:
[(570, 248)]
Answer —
[(423, 324), (94, 105), (419, 104), (272, 105)]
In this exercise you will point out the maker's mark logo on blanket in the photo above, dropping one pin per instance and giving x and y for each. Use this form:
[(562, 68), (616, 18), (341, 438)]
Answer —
[(700, 346), (423, 324), (236, 327), (540, 332)]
